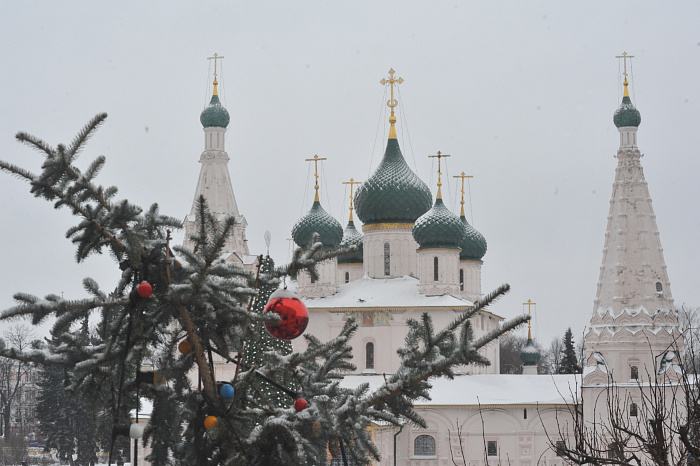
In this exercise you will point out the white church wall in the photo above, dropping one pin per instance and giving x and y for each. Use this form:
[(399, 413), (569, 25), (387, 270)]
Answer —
[(402, 250)]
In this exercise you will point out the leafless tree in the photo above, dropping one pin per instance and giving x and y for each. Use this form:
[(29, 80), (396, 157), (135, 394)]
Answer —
[(15, 376)]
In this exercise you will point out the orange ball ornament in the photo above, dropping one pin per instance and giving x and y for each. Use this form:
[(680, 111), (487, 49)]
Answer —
[(211, 421)]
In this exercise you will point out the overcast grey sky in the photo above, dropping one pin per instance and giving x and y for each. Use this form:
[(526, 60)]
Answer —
[(521, 94)]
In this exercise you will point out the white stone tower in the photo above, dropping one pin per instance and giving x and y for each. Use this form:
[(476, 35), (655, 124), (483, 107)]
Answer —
[(215, 182), (634, 331)]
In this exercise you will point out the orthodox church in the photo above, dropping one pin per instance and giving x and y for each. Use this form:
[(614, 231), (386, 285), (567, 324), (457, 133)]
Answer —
[(414, 255)]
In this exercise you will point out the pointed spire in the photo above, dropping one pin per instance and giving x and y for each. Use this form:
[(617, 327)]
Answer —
[(391, 103)]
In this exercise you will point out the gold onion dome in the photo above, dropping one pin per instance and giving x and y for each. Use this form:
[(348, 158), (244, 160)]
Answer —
[(351, 237), (317, 220), (438, 228)]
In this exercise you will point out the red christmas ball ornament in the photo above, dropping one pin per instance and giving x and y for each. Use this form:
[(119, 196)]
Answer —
[(144, 289), (300, 404), (295, 316)]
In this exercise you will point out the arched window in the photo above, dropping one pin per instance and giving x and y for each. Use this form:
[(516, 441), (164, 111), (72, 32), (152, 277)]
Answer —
[(634, 372), (633, 409), (424, 445), (659, 287), (461, 279), (347, 277), (369, 356), (435, 269), (387, 261)]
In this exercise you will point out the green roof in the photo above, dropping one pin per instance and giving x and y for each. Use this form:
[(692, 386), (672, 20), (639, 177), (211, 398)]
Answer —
[(214, 114), (627, 114), (393, 194), (318, 221), (530, 355), (351, 237), (473, 245), (438, 228)]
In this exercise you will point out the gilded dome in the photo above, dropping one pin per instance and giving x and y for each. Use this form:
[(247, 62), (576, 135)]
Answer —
[(473, 245), (214, 114), (317, 220), (393, 194), (438, 228), (351, 237)]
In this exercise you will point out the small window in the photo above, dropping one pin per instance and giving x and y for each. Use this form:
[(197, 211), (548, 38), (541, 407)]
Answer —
[(387, 260), (634, 372), (633, 410), (560, 448), (492, 448), (435, 269), (524, 413), (659, 288), (369, 355), (461, 279), (424, 445), (347, 277)]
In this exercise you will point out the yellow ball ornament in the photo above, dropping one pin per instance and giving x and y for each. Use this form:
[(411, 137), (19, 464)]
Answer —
[(211, 421)]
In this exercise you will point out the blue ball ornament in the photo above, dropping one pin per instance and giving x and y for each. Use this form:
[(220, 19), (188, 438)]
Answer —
[(226, 391)]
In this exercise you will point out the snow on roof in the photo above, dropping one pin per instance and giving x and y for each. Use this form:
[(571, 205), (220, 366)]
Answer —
[(385, 292), (490, 389)]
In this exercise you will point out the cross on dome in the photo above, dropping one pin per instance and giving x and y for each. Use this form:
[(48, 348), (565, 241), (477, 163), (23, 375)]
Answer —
[(463, 176), (352, 182), (315, 160), (624, 57), (215, 58), (439, 156), (391, 103)]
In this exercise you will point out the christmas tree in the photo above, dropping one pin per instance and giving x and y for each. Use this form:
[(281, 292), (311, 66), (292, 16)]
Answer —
[(569, 361), (280, 407)]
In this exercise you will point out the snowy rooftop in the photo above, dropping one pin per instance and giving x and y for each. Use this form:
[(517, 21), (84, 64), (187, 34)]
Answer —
[(490, 389), (386, 293)]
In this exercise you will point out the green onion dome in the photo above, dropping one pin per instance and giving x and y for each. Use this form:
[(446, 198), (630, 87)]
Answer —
[(351, 237), (627, 114), (438, 228), (393, 194), (529, 354), (318, 221), (214, 114), (473, 245)]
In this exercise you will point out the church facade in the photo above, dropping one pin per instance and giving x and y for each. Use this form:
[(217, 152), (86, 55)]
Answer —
[(414, 255)]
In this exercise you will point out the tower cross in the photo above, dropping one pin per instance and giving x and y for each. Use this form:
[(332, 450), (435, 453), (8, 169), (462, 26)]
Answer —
[(352, 193), (215, 58), (463, 176), (391, 103), (529, 304), (315, 160), (439, 156)]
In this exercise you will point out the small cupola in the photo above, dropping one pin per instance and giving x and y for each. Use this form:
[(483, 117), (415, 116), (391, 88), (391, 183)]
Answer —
[(215, 114)]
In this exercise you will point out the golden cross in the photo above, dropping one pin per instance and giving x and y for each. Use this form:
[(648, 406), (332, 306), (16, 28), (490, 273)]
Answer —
[(352, 192), (463, 176), (529, 304), (391, 103), (439, 156), (315, 160), (215, 58), (624, 57)]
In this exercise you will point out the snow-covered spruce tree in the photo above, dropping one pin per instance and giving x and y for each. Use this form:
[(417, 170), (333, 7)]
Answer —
[(569, 362), (209, 302)]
